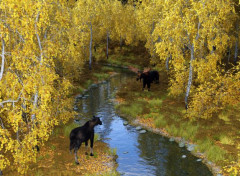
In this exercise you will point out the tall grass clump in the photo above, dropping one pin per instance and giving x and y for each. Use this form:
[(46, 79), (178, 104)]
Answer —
[(101, 76), (107, 69), (172, 130), (215, 153), (188, 130), (96, 137), (132, 110), (112, 151), (155, 102), (204, 145), (226, 140), (160, 122)]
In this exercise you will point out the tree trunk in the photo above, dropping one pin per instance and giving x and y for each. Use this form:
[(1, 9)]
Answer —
[(34, 106), (229, 54), (107, 43), (236, 46), (167, 62), (190, 76), (121, 42), (3, 59), (152, 42), (90, 49)]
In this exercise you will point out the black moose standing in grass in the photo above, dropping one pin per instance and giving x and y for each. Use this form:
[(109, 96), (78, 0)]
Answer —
[(147, 75), (83, 134)]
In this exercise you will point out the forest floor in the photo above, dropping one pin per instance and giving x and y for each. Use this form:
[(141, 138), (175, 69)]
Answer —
[(216, 139)]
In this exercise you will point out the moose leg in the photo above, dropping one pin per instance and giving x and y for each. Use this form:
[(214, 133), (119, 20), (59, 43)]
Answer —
[(144, 84), (75, 153), (148, 85), (91, 144), (71, 146), (157, 79), (86, 147)]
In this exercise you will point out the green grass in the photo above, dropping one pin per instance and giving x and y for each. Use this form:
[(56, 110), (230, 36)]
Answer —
[(226, 140), (188, 130), (111, 173), (160, 122), (151, 115), (114, 61), (39, 173), (112, 151), (67, 129), (173, 130), (87, 83), (96, 137), (204, 145), (107, 69), (132, 110), (56, 132), (53, 147), (101, 76), (175, 117), (215, 153), (224, 116), (155, 102)]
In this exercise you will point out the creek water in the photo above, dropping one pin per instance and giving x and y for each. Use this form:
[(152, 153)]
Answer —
[(138, 154)]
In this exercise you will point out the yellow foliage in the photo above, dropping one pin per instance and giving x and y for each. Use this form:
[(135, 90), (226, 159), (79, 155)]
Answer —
[(44, 45), (29, 86)]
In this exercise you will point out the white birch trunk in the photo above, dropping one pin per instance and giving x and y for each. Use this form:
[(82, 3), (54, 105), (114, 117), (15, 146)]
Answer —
[(90, 48), (190, 76), (3, 59)]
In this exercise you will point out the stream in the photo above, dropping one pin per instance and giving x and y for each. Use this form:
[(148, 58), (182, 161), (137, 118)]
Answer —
[(138, 154)]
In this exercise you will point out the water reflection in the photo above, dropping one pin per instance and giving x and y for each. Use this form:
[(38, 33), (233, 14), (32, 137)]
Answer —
[(138, 154)]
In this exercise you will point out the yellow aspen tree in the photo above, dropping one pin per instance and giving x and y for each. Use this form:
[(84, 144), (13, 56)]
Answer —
[(106, 20), (29, 86), (194, 34), (86, 16), (119, 22), (125, 26), (147, 19)]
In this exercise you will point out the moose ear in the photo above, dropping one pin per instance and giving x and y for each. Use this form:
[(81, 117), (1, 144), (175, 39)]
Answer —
[(94, 117)]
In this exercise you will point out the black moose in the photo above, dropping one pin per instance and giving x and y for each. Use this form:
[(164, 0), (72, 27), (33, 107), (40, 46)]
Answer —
[(83, 134), (148, 77)]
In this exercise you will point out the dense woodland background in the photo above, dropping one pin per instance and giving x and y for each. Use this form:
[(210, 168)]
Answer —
[(45, 45)]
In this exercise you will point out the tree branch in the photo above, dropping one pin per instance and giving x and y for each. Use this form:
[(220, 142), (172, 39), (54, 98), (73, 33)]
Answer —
[(11, 101)]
